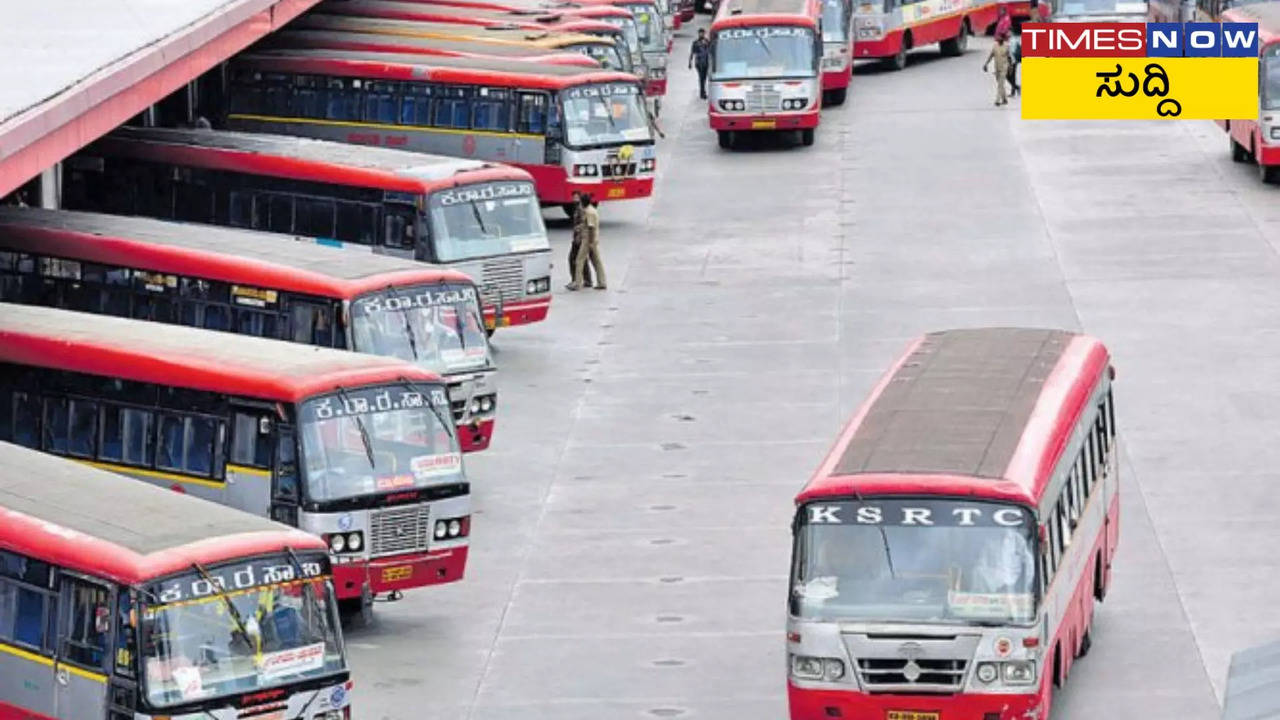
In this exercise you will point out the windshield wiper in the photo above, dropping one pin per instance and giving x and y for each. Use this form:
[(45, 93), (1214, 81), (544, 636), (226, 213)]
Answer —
[(764, 45), (231, 608), (475, 211), (608, 112), (884, 537), (364, 432), (408, 328), (453, 431)]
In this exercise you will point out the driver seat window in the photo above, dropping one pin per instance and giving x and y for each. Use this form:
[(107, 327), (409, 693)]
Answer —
[(85, 623)]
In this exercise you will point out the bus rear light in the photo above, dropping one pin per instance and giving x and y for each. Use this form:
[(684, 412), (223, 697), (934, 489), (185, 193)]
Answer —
[(793, 637)]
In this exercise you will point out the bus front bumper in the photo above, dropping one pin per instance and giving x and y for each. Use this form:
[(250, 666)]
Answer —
[(399, 572), (836, 79), (1268, 154), (522, 312), (809, 704), (474, 437), (779, 121), (886, 46)]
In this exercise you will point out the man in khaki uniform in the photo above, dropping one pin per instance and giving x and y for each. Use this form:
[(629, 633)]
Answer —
[(999, 53), (575, 248), (590, 245)]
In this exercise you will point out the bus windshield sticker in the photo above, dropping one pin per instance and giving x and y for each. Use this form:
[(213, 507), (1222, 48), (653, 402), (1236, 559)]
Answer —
[(409, 299), (232, 578), (989, 605), (490, 191), (921, 513), (764, 32), (255, 297), (189, 683), (296, 661), (393, 482), (429, 466)]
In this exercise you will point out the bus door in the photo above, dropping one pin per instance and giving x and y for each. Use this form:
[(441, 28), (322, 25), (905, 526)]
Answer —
[(84, 632), (285, 490), (400, 230), (249, 460)]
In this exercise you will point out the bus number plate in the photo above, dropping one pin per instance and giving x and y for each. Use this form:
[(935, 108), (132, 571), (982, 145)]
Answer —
[(402, 572), (764, 124), (911, 715), (617, 192)]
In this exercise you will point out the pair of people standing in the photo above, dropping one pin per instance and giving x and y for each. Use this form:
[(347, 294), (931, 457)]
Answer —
[(1005, 56), (586, 245)]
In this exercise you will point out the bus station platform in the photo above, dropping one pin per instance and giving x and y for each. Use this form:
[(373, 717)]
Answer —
[(72, 70)]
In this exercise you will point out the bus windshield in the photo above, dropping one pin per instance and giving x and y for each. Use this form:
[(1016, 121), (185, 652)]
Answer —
[(200, 644), (485, 220), (1078, 8), (835, 24), (630, 34), (374, 440), (607, 55), (649, 24), (915, 560), (763, 52), (1271, 79), (604, 115), (437, 327)]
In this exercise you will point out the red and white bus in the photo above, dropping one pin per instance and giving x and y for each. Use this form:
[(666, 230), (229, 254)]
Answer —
[(449, 47), (257, 284), (475, 217), (837, 50), (601, 49), (573, 130), (122, 600), (655, 41), (356, 448), (950, 549), (765, 59), (887, 29), (618, 24), (1260, 139)]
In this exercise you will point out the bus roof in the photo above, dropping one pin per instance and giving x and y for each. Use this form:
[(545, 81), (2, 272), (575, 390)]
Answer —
[(397, 66), (1266, 14), (178, 356), (531, 16), (427, 45), (303, 159), (478, 33), (243, 257), (738, 13), (102, 524), (982, 412)]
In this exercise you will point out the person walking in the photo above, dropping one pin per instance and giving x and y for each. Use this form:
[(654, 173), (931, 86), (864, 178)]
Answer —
[(576, 246), (1015, 59), (1000, 54), (590, 249), (700, 54)]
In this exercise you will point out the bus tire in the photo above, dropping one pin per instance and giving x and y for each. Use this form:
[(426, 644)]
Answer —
[(806, 137), (957, 45), (1238, 153), (725, 138), (1086, 642), (1099, 580), (1269, 174), (835, 97), (898, 60)]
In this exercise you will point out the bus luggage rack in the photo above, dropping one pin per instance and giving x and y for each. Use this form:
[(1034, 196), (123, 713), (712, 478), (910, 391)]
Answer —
[(502, 280), (399, 530), (896, 674), (761, 99)]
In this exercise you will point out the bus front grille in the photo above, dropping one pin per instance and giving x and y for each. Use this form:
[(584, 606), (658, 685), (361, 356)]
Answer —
[(761, 99), (502, 280), (923, 675), (397, 530)]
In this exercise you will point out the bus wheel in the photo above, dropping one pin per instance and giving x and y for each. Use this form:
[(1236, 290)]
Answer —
[(806, 136), (1086, 642), (488, 332), (835, 97), (1238, 153), (899, 60), (1269, 174), (726, 138), (958, 44)]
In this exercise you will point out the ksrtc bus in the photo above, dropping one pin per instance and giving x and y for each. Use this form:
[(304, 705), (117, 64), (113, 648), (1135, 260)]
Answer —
[(476, 217), (602, 50), (572, 130), (356, 448), (837, 50), (375, 42), (949, 551), (655, 42), (120, 600), (254, 283), (1259, 139), (765, 60), (887, 29)]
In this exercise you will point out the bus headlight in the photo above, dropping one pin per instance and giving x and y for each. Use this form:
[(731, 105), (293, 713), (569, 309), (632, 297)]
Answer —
[(486, 403), (815, 668), (355, 541), (475, 406), (657, 73), (442, 529), (1019, 672), (452, 528), (538, 285), (330, 715), (1275, 133), (795, 104), (648, 164), (337, 542), (987, 672), (455, 528), (587, 170), (733, 105)]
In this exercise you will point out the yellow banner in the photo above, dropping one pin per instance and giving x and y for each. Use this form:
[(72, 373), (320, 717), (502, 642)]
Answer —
[(1139, 88)]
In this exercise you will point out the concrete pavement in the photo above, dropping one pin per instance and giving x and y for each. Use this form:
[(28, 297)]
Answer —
[(631, 539)]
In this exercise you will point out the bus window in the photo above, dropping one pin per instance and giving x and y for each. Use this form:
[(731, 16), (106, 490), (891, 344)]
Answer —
[(126, 636), (250, 445), (86, 623), (241, 214), (256, 323), (185, 444), (126, 435), (280, 213), (380, 107), (398, 227), (311, 324), (315, 217), (22, 600), (356, 222)]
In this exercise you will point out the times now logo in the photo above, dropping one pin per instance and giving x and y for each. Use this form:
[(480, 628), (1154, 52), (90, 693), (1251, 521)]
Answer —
[(1120, 40)]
